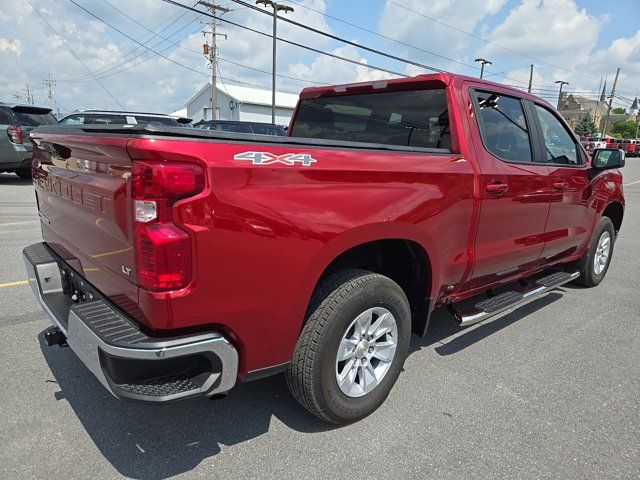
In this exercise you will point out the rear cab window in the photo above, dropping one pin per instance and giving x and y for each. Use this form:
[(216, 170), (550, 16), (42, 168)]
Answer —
[(503, 126), (413, 118)]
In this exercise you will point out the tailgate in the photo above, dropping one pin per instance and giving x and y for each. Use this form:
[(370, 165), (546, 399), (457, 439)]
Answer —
[(83, 194)]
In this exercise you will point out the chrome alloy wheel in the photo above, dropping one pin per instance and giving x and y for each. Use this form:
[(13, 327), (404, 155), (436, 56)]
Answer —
[(366, 351), (602, 253)]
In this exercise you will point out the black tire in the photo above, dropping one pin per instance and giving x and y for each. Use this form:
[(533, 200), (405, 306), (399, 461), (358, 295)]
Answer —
[(335, 304), (23, 173), (588, 276)]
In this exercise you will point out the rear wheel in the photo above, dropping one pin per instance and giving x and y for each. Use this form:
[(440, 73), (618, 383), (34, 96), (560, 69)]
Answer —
[(595, 263), (23, 173), (352, 348)]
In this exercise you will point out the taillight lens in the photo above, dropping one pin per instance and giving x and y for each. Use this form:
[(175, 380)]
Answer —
[(162, 249), (15, 134)]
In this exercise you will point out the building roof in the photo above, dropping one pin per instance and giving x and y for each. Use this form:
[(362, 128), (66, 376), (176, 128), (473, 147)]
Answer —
[(255, 96)]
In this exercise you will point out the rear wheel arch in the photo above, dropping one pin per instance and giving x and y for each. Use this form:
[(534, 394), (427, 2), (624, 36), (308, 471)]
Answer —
[(405, 261)]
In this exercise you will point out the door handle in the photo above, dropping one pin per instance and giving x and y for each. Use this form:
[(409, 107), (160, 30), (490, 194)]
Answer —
[(560, 186), (497, 188)]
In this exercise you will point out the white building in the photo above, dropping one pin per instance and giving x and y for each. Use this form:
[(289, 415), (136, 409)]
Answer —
[(241, 103)]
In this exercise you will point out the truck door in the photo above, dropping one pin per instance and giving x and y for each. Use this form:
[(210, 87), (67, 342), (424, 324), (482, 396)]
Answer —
[(570, 220), (513, 188)]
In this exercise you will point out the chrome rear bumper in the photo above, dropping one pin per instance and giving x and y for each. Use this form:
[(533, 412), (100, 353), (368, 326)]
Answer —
[(130, 364)]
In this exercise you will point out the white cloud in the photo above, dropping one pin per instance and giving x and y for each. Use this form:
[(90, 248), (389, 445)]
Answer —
[(555, 30), (14, 46), (428, 34)]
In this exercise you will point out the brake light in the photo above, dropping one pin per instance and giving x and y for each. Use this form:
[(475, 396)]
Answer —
[(15, 134), (162, 249)]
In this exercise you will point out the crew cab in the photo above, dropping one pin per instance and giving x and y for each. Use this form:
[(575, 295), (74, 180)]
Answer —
[(181, 262)]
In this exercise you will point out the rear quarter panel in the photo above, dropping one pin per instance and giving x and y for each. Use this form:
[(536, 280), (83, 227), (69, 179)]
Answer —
[(265, 233)]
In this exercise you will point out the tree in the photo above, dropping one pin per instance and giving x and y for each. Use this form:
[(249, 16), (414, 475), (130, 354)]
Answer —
[(625, 128), (619, 110), (586, 126)]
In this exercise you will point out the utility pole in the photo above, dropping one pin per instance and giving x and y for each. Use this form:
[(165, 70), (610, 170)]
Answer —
[(29, 95), (613, 91), (561, 83), (17, 96), (530, 78), (49, 83), (211, 51), (277, 7), (483, 62)]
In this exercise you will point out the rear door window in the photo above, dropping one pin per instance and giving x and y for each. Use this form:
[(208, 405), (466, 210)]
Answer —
[(73, 120), (105, 119), (415, 118), (503, 126), (167, 121), (560, 146)]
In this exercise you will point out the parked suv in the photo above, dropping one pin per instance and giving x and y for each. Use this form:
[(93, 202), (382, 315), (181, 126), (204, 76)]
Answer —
[(112, 117), (258, 128), (15, 147)]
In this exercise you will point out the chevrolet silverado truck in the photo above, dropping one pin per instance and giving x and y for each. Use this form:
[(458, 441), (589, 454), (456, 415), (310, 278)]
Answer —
[(181, 262)]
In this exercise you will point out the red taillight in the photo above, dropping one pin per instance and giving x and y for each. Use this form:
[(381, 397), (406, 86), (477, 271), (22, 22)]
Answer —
[(15, 134), (162, 249)]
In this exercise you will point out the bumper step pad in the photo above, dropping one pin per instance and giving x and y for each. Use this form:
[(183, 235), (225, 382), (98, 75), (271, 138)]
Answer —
[(161, 387)]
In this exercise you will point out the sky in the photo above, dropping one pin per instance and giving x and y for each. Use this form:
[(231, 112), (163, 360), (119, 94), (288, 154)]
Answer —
[(146, 55)]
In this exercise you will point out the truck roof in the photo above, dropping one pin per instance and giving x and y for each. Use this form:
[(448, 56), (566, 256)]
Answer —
[(435, 78)]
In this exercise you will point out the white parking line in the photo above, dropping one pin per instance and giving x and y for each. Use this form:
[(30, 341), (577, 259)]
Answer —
[(632, 183)]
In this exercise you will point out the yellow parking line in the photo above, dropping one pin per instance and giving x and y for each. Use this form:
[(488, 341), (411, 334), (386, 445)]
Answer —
[(14, 284), (632, 183)]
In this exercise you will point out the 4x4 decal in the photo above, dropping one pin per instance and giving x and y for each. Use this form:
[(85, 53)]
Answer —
[(266, 158)]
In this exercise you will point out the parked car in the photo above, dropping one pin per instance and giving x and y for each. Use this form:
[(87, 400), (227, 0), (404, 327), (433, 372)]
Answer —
[(16, 121), (112, 117), (594, 144), (200, 259), (242, 127)]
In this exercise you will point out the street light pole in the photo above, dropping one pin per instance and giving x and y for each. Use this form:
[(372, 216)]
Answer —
[(277, 7), (483, 62), (561, 83)]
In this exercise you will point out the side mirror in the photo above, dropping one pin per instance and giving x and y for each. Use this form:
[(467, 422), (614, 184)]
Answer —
[(605, 158)]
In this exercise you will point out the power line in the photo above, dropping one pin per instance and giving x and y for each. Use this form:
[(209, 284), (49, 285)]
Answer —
[(121, 60), (305, 47), (177, 44), (75, 55), (395, 40), (340, 39), (133, 39), (486, 41)]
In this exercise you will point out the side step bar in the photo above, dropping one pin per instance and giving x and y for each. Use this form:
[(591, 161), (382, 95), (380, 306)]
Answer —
[(512, 299)]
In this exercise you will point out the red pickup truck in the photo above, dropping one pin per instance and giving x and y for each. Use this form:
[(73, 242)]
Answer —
[(181, 262)]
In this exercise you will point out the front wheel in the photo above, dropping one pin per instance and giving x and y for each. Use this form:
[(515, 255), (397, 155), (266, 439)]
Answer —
[(595, 263), (352, 348)]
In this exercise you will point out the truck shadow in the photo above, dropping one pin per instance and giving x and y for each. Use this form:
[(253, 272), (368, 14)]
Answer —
[(443, 326), (147, 441), (12, 179)]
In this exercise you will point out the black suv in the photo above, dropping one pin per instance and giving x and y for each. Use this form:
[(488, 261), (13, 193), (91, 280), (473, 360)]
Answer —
[(16, 150)]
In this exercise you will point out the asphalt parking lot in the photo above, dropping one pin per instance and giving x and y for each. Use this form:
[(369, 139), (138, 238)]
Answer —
[(551, 390)]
